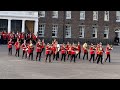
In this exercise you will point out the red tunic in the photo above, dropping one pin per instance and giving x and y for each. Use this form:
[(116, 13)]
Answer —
[(34, 37), (84, 50), (22, 36), (30, 49), (24, 47), (107, 50), (79, 48), (17, 45), (101, 52), (38, 47), (73, 52), (28, 36), (48, 50), (63, 51), (92, 51), (69, 51), (97, 52), (53, 49), (43, 44), (9, 44), (4, 36)]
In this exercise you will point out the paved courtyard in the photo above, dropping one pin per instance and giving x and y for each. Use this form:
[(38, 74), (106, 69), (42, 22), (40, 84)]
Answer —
[(12, 67)]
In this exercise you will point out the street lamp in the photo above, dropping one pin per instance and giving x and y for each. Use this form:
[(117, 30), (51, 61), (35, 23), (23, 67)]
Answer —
[(63, 24)]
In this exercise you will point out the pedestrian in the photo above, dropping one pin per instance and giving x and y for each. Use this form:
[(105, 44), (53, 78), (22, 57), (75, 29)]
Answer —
[(38, 50), (85, 50), (108, 48), (79, 50), (58, 49), (63, 52), (92, 53), (100, 54), (48, 52), (43, 46), (97, 52), (30, 50), (17, 47), (73, 53), (10, 47), (24, 48)]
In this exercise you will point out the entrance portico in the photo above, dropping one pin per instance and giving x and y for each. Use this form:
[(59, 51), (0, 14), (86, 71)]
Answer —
[(20, 15), (117, 31)]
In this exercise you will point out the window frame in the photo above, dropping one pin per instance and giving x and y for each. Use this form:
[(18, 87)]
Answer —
[(54, 14), (68, 16), (56, 30), (95, 19), (43, 30), (69, 31), (43, 14), (82, 30), (83, 16)]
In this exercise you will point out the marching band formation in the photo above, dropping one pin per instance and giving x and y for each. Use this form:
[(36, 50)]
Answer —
[(52, 51)]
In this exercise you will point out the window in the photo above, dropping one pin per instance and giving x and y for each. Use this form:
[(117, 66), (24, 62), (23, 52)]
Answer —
[(68, 14), (94, 33), (54, 30), (42, 13), (68, 31), (95, 15), (117, 16), (82, 28), (41, 30), (55, 14), (82, 15), (106, 32), (106, 16)]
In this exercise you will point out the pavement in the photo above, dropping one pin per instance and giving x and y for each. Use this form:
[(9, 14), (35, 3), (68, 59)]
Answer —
[(12, 67)]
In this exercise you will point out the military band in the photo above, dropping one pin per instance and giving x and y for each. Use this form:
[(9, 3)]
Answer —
[(52, 51)]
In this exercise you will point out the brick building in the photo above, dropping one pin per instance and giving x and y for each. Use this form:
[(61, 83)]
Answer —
[(83, 26), (72, 26)]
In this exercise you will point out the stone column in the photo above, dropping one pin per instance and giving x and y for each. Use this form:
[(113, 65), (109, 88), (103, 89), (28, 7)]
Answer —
[(23, 25), (36, 27), (9, 25)]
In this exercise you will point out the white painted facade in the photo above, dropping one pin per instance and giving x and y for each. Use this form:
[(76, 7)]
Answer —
[(20, 15)]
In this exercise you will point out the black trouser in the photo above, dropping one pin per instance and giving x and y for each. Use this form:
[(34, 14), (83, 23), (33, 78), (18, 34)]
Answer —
[(78, 55), (4, 41), (9, 51), (31, 55), (69, 55), (55, 56), (48, 55), (38, 55), (108, 56), (22, 41), (0, 41), (73, 56), (92, 57), (24, 53), (34, 42), (85, 54), (100, 57), (43, 51), (97, 57), (17, 52), (63, 56)]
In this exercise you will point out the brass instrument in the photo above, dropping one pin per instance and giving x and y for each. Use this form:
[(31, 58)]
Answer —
[(85, 46)]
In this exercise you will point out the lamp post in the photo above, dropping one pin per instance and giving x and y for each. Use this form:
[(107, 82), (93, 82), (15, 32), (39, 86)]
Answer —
[(63, 25)]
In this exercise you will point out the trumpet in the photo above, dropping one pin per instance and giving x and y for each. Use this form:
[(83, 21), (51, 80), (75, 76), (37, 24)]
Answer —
[(111, 47)]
